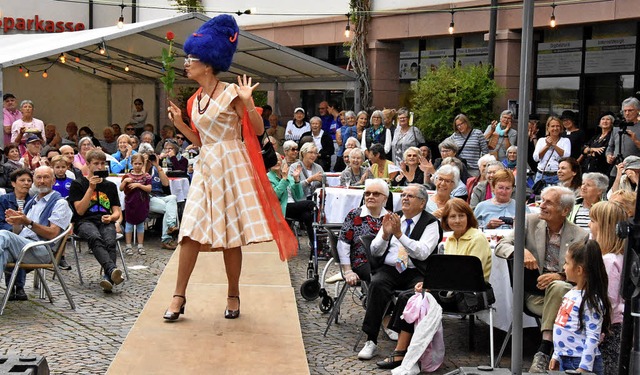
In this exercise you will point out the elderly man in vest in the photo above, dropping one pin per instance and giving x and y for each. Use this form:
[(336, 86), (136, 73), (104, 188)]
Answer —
[(44, 217), (406, 240)]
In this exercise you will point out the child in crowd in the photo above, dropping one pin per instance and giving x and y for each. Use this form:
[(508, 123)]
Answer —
[(136, 186), (63, 182), (584, 312), (604, 218)]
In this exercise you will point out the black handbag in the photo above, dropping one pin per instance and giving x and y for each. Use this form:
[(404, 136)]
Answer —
[(269, 155)]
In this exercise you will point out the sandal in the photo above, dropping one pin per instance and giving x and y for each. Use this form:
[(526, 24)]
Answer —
[(393, 360)]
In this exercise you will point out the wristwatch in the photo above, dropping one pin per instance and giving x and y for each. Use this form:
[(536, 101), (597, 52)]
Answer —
[(30, 225)]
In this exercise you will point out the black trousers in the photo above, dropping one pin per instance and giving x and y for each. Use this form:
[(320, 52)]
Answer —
[(384, 282), (302, 211), (102, 241)]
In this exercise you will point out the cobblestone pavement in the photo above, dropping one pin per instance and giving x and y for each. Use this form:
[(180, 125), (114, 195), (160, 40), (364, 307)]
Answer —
[(86, 340)]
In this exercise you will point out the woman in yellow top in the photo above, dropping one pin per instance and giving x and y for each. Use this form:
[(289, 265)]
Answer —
[(380, 165), (466, 239)]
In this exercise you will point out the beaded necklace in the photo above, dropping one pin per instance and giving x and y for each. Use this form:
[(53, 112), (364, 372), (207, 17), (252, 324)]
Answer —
[(203, 110)]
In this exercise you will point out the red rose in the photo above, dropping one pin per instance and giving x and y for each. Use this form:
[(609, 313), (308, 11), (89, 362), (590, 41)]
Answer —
[(349, 235), (357, 220), (170, 35)]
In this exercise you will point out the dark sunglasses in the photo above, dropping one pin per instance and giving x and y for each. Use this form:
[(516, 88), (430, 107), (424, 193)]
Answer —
[(182, 138), (293, 149), (130, 129)]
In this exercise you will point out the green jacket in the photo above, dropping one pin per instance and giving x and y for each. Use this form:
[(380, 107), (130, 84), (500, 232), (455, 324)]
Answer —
[(280, 187)]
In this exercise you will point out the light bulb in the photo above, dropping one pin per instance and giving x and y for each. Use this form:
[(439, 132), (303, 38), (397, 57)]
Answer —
[(26, 74), (126, 68), (121, 22), (63, 59), (77, 59), (451, 28), (347, 31), (45, 74), (552, 21), (102, 50), (20, 69)]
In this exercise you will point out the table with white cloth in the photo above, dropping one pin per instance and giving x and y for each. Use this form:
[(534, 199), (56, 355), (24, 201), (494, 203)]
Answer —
[(333, 179), (339, 201), (501, 283), (179, 187)]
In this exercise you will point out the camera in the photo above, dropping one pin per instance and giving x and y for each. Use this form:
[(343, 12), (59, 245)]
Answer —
[(507, 220), (101, 174), (153, 157)]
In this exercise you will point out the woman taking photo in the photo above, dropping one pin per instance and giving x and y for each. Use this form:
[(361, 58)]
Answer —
[(549, 150), (224, 161), (594, 156), (410, 171), (471, 143), (501, 205)]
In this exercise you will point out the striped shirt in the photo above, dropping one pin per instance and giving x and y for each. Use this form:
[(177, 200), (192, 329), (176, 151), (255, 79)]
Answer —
[(475, 148)]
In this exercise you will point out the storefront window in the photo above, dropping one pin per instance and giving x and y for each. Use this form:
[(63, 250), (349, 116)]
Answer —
[(556, 95)]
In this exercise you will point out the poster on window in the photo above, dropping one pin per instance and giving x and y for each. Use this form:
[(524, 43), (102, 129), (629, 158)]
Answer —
[(431, 59), (409, 65), (612, 55), (472, 56), (560, 58)]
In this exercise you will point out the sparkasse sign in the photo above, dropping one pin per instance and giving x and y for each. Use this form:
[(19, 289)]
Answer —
[(38, 24)]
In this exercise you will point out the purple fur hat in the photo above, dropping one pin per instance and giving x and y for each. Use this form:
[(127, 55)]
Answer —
[(215, 42)]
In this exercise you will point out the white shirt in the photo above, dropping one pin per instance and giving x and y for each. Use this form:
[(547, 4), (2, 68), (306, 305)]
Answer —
[(552, 160), (293, 133), (420, 249)]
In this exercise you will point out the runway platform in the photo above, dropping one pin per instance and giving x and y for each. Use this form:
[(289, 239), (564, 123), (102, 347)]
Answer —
[(265, 339)]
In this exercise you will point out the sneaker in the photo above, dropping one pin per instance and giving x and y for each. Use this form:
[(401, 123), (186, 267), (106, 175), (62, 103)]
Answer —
[(128, 250), (141, 250), (391, 334), (106, 285), (169, 245), (369, 351), (116, 276), (540, 363), (63, 265)]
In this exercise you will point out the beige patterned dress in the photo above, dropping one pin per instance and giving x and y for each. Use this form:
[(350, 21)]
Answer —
[(222, 208)]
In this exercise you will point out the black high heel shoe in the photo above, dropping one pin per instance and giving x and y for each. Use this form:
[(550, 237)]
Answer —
[(173, 316), (232, 314)]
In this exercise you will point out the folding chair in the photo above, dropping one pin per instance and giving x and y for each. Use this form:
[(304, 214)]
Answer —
[(335, 311), (38, 267), (460, 273), (524, 310), (75, 241)]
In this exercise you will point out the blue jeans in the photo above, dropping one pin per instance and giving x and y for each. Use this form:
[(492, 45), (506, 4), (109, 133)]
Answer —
[(573, 363), (128, 228), (11, 245), (549, 179), (167, 206)]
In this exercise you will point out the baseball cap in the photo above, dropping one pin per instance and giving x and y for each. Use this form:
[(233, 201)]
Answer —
[(299, 109), (33, 138), (7, 96)]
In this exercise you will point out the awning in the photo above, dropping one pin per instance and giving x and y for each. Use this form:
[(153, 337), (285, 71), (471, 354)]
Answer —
[(139, 46)]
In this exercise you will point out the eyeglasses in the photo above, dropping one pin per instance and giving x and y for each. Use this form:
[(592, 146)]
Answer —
[(374, 194), (189, 60), (402, 118), (130, 129), (293, 149), (444, 180), (180, 138)]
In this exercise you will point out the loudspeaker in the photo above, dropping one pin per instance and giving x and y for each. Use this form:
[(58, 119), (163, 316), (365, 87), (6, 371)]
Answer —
[(25, 364)]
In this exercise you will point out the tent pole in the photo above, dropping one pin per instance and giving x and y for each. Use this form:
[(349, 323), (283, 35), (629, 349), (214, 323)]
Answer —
[(276, 99), (526, 56), (109, 104)]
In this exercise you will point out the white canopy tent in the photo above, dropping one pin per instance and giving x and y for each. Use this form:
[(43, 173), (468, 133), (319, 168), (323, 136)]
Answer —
[(138, 47)]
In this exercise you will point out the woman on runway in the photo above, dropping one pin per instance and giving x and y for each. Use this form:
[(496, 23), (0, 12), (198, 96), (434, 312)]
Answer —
[(228, 205)]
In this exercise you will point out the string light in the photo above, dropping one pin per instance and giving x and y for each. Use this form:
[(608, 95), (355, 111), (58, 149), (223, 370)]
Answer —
[(77, 59), (247, 11), (45, 74), (121, 19), (347, 29), (103, 49), (20, 69), (126, 68), (452, 24), (26, 74), (552, 20), (62, 58)]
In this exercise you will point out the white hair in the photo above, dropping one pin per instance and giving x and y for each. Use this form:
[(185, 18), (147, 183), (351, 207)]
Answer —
[(485, 159), (449, 169), (380, 183)]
